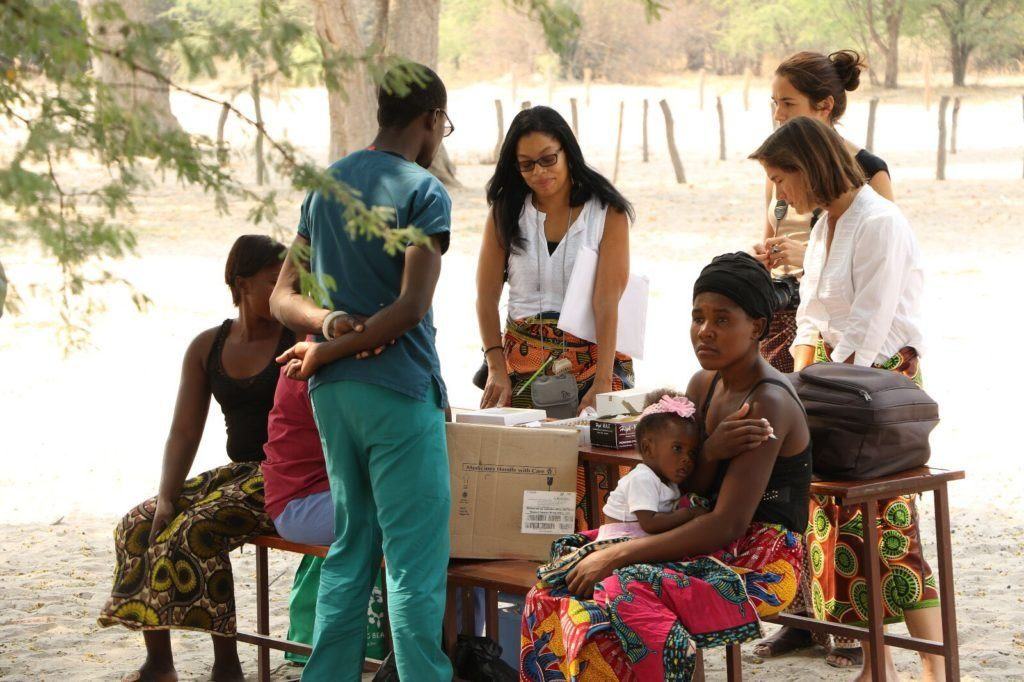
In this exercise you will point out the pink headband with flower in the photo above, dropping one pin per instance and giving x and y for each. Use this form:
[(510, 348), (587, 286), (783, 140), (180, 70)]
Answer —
[(681, 406)]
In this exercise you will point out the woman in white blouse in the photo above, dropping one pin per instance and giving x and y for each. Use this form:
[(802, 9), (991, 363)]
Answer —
[(860, 303)]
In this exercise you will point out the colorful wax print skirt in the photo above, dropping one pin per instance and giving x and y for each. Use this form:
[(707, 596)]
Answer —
[(183, 579), (647, 621)]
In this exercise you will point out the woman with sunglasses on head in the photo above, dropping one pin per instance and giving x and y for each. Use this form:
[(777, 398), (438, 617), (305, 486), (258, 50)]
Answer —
[(546, 205)]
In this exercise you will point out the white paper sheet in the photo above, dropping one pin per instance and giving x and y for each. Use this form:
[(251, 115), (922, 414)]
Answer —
[(577, 316)]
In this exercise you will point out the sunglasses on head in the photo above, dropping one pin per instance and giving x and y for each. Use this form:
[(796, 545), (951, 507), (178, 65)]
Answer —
[(546, 161)]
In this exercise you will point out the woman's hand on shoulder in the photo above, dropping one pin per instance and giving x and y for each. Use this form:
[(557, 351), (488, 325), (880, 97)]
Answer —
[(737, 434)]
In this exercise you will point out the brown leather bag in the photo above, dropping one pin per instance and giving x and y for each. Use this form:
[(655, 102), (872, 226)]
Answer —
[(865, 422)]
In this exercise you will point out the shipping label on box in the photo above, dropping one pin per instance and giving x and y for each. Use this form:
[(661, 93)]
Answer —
[(513, 490)]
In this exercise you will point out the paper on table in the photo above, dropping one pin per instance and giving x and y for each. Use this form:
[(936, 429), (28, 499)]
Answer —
[(577, 316)]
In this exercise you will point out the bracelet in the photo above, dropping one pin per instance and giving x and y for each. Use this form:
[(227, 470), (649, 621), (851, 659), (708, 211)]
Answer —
[(331, 317), (488, 350)]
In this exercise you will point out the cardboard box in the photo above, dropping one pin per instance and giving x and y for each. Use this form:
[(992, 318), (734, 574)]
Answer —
[(513, 490), (618, 433), (626, 401)]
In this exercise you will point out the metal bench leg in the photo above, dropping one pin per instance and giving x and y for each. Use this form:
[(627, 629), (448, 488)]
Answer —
[(944, 541), (876, 631), (262, 614), (733, 663)]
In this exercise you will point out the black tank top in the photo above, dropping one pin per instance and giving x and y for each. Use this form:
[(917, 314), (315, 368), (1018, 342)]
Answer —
[(245, 403), (787, 493)]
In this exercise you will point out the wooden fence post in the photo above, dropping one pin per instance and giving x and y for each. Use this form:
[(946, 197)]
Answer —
[(618, 143), (952, 132), (647, 157), (500, 111), (670, 137), (222, 150), (940, 163), (261, 168), (526, 105), (872, 112), (746, 88), (575, 118), (721, 128)]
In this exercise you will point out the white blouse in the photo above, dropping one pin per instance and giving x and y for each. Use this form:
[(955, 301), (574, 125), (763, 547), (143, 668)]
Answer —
[(536, 279), (864, 295)]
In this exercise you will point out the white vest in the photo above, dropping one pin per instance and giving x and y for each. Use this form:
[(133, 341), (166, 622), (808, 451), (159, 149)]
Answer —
[(537, 280)]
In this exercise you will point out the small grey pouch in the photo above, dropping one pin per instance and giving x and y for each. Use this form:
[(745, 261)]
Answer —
[(556, 394)]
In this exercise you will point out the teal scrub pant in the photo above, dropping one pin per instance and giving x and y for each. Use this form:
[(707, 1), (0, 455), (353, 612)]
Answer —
[(302, 611), (387, 462)]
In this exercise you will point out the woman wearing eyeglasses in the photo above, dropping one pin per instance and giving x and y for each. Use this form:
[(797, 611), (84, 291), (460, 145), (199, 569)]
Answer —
[(547, 204)]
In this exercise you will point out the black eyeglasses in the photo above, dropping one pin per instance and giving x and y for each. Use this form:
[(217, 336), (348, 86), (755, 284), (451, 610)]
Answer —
[(546, 161), (449, 127)]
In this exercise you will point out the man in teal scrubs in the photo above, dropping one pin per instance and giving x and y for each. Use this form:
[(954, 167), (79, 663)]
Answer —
[(381, 417)]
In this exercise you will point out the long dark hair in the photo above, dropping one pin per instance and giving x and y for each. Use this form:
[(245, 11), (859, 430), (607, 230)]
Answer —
[(507, 191)]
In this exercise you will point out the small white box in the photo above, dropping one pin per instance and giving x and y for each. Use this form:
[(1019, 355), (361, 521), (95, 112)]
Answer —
[(500, 416), (626, 401)]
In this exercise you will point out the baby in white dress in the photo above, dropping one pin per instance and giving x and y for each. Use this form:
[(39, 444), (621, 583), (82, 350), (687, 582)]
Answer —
[(647, 500)]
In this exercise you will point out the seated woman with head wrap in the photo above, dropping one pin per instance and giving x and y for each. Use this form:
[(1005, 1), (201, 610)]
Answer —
[(640, 608)]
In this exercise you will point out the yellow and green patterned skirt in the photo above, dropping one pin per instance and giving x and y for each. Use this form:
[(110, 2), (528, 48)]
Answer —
[(835, 547), (183, 579)]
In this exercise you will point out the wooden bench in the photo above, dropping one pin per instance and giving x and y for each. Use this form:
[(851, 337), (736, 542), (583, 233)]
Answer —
[(493, 576), (866, 494), (510, 577), (261, 638)]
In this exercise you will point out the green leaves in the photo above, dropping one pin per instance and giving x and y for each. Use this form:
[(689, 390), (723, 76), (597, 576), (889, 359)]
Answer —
[(57, 112)]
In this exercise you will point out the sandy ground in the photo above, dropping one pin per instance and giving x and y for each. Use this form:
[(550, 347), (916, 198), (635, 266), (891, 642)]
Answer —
[(81, 437)]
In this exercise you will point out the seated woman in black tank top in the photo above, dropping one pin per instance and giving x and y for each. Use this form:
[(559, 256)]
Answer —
[(173, 569), (755, 463)]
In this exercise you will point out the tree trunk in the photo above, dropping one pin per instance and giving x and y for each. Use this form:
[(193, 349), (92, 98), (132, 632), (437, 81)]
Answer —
[(413, 33), (132, 90), (351, 100), (892, 54), (959, 54)]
